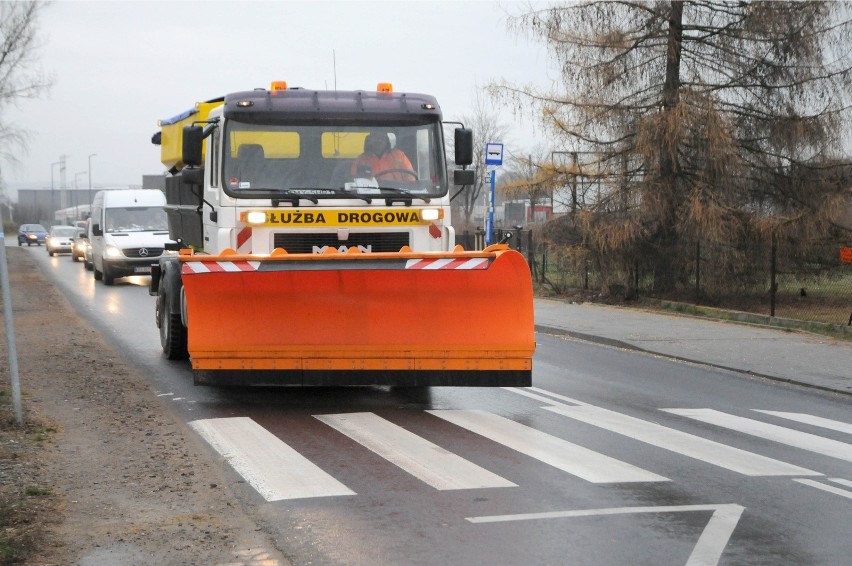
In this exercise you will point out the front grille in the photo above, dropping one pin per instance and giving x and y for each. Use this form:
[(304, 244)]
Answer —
[(134, 252), (373, 241)]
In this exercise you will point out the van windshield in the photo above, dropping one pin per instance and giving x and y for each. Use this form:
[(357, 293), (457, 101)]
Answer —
[(135, 219)]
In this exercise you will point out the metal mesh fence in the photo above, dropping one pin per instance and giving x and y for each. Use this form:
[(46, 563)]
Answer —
[(809, 282)]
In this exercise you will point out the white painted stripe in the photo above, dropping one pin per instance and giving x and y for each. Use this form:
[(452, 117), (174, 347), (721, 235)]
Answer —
[(543, 395), (841, 481), (229, 266), (825, 487), (269, 465), (427, 462), (526, 393), (708, 550), (561, 454), (592, 513), (790, 437), (431, 263), (683, 443), (715, 536), (558, 396), (812, 420)]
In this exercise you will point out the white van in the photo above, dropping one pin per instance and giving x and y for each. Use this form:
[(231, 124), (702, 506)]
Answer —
[(128, 231)]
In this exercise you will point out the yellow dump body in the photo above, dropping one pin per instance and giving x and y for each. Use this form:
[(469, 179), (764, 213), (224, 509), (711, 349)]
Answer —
[(171, 140), (443, 318)]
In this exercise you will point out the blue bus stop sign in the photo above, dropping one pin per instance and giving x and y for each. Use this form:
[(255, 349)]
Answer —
[(494, 154)]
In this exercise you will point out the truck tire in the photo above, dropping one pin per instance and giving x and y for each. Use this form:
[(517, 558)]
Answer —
[(172, 331), (98, 274)]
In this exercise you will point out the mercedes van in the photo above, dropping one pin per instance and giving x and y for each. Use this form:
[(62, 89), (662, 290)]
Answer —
[(128, 231)]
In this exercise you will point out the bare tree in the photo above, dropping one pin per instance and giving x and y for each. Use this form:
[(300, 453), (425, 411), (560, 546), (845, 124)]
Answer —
[(19, 76), (532, 177), (706, 119), (484, 121)]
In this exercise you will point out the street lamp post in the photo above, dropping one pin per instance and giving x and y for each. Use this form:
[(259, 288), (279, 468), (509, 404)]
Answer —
[(90, 178), (76, 200), (52, 189)]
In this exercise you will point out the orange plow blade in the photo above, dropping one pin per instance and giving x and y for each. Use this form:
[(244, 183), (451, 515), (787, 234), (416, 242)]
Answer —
[(455, 318)]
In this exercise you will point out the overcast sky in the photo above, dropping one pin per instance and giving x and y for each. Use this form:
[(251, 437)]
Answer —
[(119, 66)]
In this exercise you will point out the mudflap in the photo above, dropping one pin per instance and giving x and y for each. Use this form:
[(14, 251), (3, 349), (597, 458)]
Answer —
[(410, 319)]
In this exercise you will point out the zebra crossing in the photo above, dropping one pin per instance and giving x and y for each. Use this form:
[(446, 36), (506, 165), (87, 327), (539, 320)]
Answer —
[(279, 472)]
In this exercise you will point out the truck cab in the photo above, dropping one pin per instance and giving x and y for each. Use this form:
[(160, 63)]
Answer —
[(286, 169)]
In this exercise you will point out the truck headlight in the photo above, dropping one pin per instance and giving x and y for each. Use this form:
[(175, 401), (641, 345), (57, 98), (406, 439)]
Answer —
[(431, 213), (255, 217)]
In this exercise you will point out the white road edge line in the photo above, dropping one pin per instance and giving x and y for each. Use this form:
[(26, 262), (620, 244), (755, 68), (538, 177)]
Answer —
[(708, 550)]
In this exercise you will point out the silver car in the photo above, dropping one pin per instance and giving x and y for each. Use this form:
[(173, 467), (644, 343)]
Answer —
[(58, 240)]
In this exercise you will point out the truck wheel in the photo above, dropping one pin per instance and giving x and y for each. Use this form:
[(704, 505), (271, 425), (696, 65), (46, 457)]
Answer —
[(109, 278), (172, 331), (98, 274)]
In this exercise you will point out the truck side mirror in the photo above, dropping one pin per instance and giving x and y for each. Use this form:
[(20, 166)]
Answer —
[(193, 138), (96, 230), (464, 146)]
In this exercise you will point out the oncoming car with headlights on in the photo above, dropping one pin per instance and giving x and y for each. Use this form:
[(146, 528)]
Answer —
[(30, 234), (58, 240)]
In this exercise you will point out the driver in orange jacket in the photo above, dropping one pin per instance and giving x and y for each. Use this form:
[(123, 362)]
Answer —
[(382, 161)]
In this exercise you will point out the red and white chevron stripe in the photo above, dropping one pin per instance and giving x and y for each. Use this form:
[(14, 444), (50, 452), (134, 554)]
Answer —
[(193, 267), (244, 240), (448, 263)]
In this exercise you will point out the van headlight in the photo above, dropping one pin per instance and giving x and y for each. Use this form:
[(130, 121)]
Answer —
[(112, 252)]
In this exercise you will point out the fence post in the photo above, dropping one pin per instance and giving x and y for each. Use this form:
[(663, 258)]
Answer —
[(697, 272), (772, 284)]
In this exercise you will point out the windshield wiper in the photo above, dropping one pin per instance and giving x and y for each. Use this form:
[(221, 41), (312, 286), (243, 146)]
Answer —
[(406, 199), (277, 195)]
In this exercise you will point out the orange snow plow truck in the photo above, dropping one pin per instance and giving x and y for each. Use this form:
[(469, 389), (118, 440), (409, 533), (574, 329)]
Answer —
[(314, 247)]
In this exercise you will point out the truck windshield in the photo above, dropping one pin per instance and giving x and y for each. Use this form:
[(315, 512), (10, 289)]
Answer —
[(136, 219), (331, 161)]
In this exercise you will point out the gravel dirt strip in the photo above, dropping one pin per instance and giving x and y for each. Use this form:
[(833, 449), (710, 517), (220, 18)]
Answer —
[(102, 472)]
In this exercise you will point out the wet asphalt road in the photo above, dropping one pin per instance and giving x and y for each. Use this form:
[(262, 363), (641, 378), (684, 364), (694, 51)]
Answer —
[(613, 457)]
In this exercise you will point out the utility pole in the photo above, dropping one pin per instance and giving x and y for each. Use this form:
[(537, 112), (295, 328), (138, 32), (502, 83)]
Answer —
[(90, 180), (63, 188), (53, 189)]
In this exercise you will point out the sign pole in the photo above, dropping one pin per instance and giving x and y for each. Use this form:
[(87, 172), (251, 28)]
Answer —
[(11, 349), (489, 230), (493, 158)]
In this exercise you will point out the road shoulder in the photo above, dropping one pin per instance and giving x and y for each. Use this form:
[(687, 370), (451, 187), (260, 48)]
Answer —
[(104, 472)]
